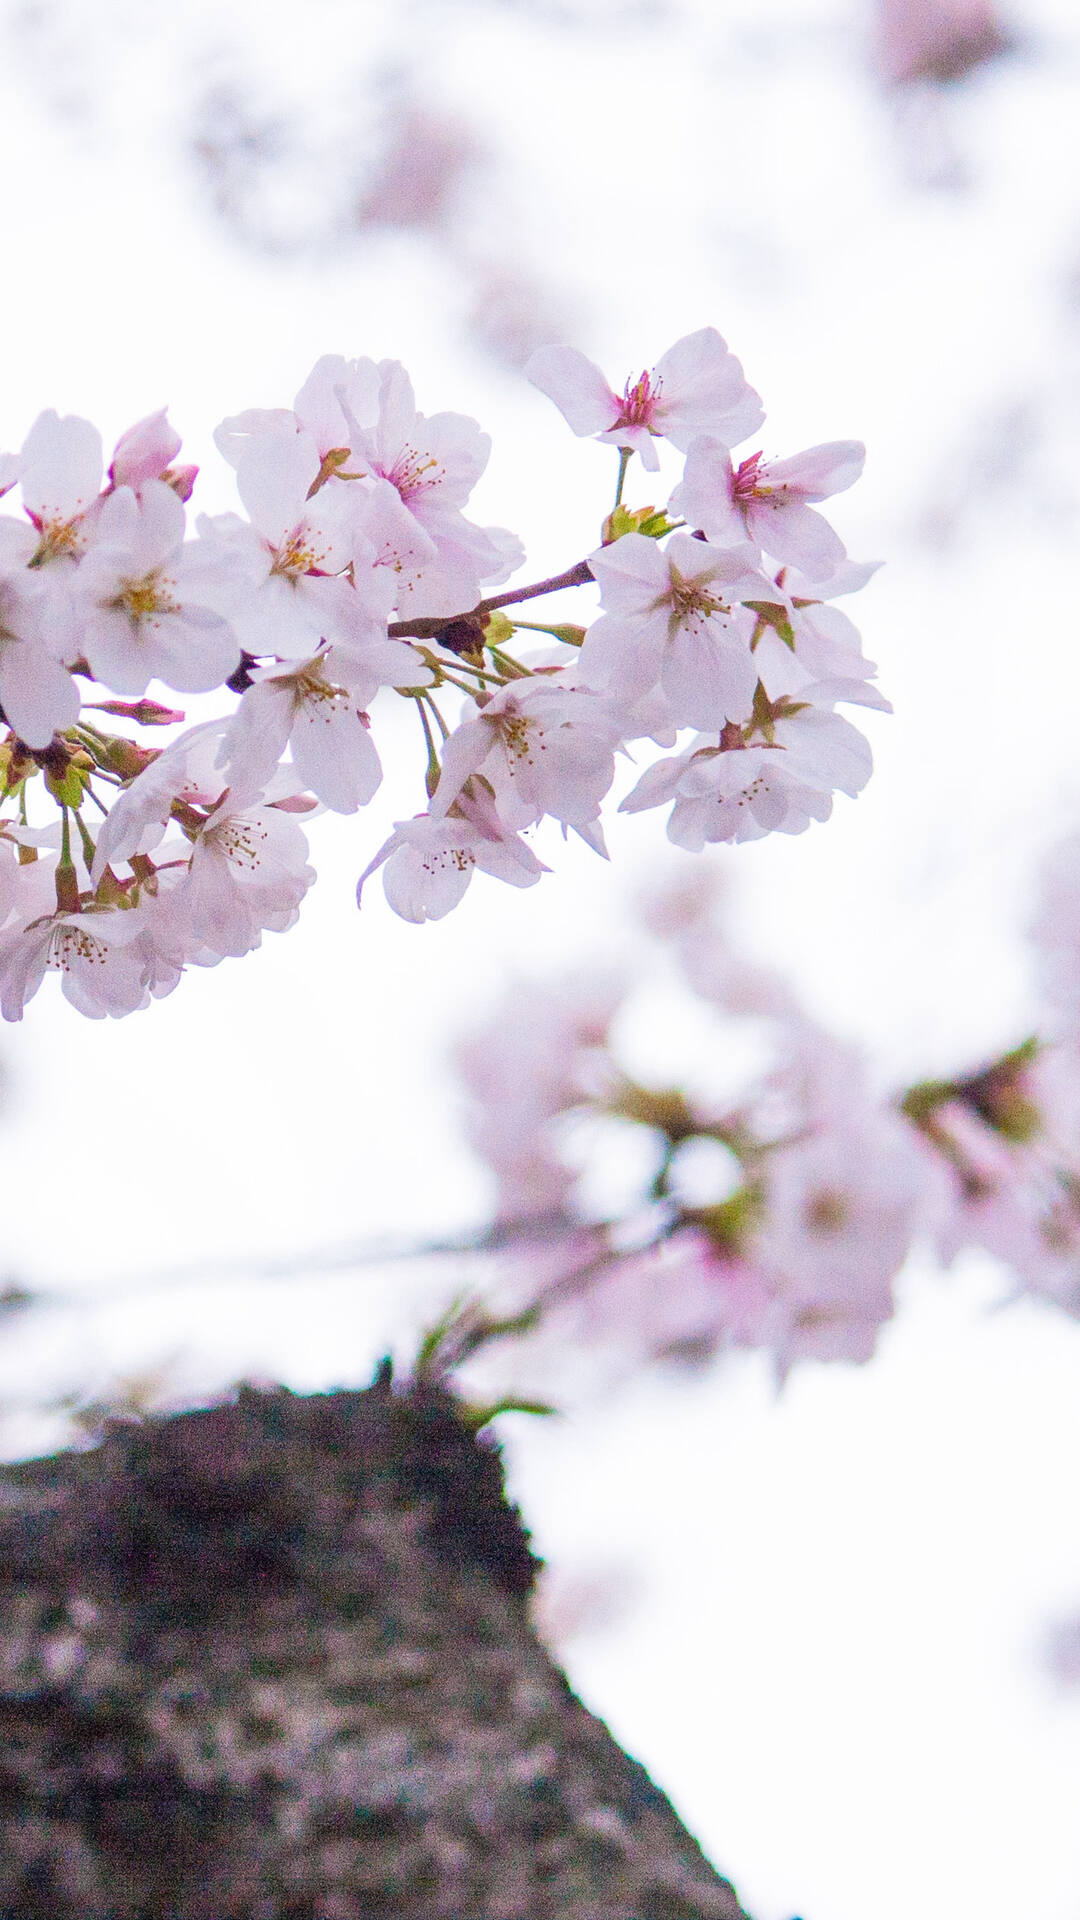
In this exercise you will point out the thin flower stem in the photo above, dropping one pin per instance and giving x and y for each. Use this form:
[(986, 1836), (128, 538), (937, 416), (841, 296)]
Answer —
[(460, 666), (431, 779), (462, 686), (626, 454), (558, 632), (429, 702), (88, 846)]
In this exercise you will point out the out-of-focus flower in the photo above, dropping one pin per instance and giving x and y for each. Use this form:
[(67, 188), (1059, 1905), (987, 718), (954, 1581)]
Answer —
[(936, 39)]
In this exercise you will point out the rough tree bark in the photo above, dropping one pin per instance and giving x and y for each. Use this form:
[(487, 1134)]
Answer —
[(271, 1661)]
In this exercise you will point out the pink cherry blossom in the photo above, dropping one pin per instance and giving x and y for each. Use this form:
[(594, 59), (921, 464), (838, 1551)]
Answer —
[(147, 452), (145, 603), (674, 620), (767, 501), (696, 387), (433, 462), (101, 957), (538, 1054), (247, 873), (742, 791), (839, 1212), (297, 549), (544, 748), (428, 863), (316, 707), (37, 695), (60, 473)]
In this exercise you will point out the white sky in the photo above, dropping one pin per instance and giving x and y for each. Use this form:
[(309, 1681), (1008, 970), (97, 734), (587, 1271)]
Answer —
[(832, 1662)]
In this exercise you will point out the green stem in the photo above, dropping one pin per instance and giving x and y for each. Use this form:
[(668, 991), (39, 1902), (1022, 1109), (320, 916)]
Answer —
[(88, 846), (626, 454), (431, 777), (443, 728)]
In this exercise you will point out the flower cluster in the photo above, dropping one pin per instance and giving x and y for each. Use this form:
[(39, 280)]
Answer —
[(351, 573), (777, 1215)]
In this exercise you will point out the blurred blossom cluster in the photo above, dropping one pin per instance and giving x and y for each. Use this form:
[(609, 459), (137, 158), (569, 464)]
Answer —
[(351, 570), (936, 39), (780, 1215)]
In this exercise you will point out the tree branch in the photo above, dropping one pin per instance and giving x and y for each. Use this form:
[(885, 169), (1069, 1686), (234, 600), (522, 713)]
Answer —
[(578, 575)]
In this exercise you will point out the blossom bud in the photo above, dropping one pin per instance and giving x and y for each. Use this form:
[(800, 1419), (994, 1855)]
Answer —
[(127, 758), (146, 713), (67, 888), (650, 521), (144, 451)]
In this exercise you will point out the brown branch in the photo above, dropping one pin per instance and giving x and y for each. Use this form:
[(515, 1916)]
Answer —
[(429, 628)]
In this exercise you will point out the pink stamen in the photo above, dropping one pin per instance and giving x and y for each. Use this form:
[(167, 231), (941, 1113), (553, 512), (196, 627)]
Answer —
[(745, 485), (640, 399)]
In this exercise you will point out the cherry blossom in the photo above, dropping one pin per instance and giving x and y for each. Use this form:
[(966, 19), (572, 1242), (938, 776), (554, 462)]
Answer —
[(297, 547), (672, 619), (696, 387), (739, 790), (146, 452), (767, 501), (102, 960), (37, 695), (349, 578), (539, 1053), (433, 462), (247, 874), (145, 603), (316, 708), (428, 862), (544, 749), (60, 471)]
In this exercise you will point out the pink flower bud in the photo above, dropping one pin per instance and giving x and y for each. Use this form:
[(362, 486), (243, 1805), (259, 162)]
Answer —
[(144, 452)]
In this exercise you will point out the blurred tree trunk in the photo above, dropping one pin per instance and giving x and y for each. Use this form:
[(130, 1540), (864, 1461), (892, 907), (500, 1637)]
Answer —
[(271, 1661)]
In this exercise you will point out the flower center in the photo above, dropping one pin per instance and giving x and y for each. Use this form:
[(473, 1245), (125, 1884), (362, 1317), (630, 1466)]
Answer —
[(639, 402), (747, 484), (520, 737), (59, 537), (241, 841), (413, 472), (297, 555), (70, 945), (827, 1212), (462, 858), (691, 602), (143, 599), (313, 691)]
